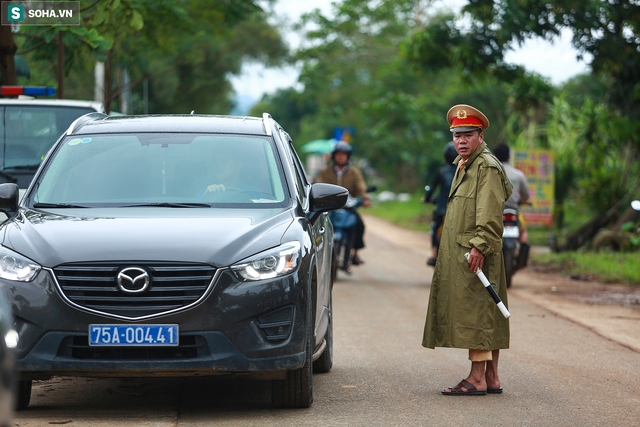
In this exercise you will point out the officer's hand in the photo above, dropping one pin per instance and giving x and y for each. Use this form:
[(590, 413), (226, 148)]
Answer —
[(476, 260)]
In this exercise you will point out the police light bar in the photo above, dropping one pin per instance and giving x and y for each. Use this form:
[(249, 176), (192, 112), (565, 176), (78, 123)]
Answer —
[(27, 90)]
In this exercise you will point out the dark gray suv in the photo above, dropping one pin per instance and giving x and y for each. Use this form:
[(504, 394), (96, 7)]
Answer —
[(171, 245)]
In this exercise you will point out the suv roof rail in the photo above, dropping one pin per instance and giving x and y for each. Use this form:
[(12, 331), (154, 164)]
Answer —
[(265, 121), (82, 120)]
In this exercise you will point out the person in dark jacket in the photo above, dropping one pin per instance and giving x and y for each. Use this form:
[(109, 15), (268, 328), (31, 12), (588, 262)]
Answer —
[(341, 172), (441, 180)]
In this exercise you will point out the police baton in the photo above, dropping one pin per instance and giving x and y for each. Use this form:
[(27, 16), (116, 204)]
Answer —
[(491, 291)]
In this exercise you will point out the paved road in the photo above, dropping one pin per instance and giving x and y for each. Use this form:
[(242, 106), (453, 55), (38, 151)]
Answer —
[(560, 370)]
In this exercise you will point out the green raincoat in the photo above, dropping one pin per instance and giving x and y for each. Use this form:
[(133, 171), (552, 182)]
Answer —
[(461, 313)]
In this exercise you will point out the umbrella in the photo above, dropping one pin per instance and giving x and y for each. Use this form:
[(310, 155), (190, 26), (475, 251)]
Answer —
[(319, 146)]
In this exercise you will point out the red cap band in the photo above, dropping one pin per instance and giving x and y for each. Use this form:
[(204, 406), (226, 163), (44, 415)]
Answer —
[(466, 121)]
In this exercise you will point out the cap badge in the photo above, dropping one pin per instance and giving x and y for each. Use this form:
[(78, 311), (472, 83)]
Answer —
[(461, 114)]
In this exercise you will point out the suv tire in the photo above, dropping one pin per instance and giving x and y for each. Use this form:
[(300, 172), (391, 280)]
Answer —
[(23, 395), (296, 390)]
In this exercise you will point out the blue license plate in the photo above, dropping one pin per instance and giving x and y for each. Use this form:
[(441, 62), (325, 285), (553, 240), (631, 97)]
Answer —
[(133, 335)]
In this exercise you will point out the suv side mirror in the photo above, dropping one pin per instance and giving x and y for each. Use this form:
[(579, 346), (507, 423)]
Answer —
[(325, 198), (9, 193)]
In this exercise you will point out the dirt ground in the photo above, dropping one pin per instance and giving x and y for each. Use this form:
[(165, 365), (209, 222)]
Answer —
[(610, 310)]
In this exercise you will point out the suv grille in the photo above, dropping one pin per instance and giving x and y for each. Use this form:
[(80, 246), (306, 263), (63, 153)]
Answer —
[(173, 286)]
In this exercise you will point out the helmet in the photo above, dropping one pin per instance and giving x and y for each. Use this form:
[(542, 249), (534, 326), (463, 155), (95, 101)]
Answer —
[(450, 152), (342, 146)]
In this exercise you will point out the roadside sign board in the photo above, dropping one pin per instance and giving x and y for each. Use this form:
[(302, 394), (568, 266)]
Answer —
[(539, 168)]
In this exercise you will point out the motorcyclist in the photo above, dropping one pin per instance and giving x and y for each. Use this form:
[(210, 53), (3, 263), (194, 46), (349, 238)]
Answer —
[(341, 172), (519, 197), (442, 179)]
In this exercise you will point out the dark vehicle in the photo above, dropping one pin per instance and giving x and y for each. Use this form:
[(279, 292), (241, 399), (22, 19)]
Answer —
[(29, 127), (344, 237), (511, 245), (8, 342), (134, 253)]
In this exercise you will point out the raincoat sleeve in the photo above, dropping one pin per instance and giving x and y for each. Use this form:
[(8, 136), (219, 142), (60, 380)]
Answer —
[(493, 190)]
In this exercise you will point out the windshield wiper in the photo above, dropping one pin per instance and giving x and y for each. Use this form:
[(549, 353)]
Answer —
[(168, 205), (57, 206), (32, 167)]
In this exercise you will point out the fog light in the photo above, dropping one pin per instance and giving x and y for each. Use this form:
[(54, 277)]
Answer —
[(276, 325), (11, 339)]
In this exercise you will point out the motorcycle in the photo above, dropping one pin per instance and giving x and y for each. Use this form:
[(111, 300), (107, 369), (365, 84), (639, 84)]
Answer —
[(344, 236), (344, 233), (515, 255), (435, 228)]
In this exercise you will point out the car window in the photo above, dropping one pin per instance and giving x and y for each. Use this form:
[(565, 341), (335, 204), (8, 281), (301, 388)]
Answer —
[(295, 159), (162, 168), (300, 178), (28, 132)]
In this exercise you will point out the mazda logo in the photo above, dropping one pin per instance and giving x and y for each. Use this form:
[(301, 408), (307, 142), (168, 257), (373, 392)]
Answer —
[(133, 280)]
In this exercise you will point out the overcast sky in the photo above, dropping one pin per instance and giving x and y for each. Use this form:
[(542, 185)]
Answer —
[(556, 61)]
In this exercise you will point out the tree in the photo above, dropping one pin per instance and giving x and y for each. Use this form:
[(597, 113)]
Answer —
[(602, 129), (63, 46), (8, 50), (603, 30), (352, 71), (288, 107), (185, 49)]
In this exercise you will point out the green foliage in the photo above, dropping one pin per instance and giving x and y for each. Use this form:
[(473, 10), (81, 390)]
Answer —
[(602, 30), (411, 214), (604, 267), (288, 107), (352, 71), (185, 49), (592, 126), (582, 87), (594, 154), (359, 69)]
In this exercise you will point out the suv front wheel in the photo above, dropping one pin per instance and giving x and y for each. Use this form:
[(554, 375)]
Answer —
[(296, 390)]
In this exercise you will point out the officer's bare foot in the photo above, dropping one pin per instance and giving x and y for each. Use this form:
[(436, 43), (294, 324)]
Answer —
[(493, 383)]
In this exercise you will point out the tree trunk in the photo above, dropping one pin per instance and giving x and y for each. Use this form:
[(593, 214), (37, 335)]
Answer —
[(108, 81), (60, 70), (581, 236), (8, 50)]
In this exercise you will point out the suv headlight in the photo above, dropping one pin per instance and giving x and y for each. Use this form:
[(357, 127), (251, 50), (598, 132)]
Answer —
[(269, 264), (14, 266)]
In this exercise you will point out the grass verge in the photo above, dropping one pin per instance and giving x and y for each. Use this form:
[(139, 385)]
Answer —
[(608, 267)]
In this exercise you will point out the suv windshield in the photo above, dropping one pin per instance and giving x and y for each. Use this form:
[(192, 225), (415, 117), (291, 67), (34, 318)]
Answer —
[(28, 132), (160, 169)]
